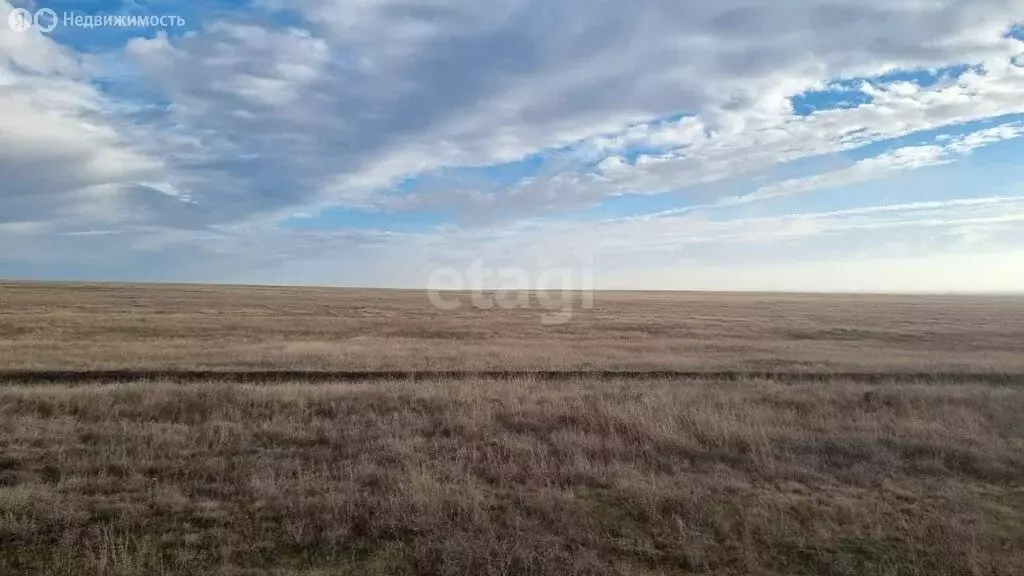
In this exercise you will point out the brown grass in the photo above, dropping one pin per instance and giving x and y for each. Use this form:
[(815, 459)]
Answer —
[(513, 475), (507, 477), (53, 326)]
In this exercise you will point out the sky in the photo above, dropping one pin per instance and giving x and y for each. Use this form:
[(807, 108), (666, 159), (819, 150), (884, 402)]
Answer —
[(808, 145)]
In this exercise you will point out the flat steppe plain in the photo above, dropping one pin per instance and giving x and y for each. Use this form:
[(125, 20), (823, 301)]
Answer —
[(184, 429)]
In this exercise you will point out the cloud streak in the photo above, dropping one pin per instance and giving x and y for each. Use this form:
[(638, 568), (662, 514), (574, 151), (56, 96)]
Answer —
[(196, 150)]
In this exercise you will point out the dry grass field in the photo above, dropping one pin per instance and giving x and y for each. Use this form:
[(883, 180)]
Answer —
[(96, 327), (143, 432)]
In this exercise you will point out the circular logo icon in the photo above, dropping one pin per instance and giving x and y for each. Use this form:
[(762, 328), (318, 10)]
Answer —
[(45, 20), (20, 20)]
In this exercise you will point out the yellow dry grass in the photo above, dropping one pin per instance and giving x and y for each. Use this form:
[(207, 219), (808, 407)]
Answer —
[(521, 474), (87, 327)]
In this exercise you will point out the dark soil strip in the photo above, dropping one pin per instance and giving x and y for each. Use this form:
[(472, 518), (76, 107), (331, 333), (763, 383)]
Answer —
[(278, 376)]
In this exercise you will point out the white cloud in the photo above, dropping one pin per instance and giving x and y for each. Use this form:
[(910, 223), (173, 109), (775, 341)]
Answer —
[(883, 165), (57, 139), (249, 64), (386, 90), (985, 137), (706, 155), (204, 142)]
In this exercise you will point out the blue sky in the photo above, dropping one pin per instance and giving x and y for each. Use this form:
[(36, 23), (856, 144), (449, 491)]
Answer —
[(799, 145)]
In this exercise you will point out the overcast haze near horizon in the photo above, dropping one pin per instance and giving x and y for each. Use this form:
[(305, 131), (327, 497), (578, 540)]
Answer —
[(807, 145)]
